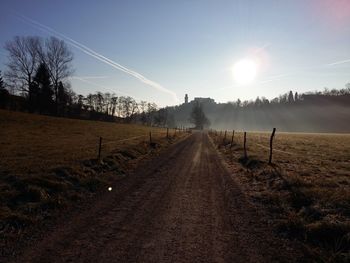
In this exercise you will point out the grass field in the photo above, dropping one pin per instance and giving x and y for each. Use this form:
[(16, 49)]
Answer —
[(306, 190), (33, 143), (47, 163)]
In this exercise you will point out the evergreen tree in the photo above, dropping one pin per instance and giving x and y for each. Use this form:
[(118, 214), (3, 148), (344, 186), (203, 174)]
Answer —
[(62, 99), (4, 94), (290, 97), (43, 82), (33, 96)]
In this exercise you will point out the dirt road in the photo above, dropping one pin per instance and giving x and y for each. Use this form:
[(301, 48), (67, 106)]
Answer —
[(183, 206)]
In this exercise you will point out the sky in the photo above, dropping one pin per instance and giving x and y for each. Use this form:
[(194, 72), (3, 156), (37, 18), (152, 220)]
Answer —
[(160, 50)]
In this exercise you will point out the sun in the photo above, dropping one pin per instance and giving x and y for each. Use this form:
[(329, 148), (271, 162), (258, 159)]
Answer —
[(244, 71)]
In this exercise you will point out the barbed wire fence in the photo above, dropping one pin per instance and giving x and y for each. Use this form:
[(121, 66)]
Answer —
[(222, 139)]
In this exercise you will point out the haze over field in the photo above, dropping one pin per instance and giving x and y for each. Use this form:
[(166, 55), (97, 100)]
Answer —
[(175, 131), (157, 51)]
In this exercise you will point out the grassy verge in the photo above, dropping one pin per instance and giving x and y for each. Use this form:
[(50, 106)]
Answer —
[(306, 190), (49, 164)]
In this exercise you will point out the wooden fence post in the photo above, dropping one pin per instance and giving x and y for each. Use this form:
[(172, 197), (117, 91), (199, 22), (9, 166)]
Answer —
[(224, 140), (167, 133), (244, 143), (150, 138), (99, 149), (271, 141), (233, 135)]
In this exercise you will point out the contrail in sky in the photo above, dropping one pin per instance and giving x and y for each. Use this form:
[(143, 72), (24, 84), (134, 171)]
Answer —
[(339, 62), (98, 56)]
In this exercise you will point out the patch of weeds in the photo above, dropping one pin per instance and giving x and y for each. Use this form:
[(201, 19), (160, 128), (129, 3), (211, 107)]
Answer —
[(53, 203), (66, 173), (224, 144), (111, 164), (16, 220), (51, 183), (296, 181), (30, 193), (8, 193), (326, 234), (299, 199), (128, 154), (310, 213), (92, 183), (75, 196), (90, 163), (250, 162), (154, 145), (341, 201), (292, 226), (269, 199), (109, 160)]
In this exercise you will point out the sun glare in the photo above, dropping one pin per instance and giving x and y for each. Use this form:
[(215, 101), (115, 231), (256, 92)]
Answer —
[(244, 71)]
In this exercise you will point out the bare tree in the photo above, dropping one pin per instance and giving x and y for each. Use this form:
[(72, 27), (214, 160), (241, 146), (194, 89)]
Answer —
[(23, 62), (151, 109), (2, 84), (107, 102), (134, 107), (58, 59), (99, 101), (120, 107), (128, 106), (198, 117), (160, 118), (143, 106), (114, 103)]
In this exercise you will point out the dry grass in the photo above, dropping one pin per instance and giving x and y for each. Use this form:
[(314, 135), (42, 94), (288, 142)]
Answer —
[(32, 143), (306, 190)]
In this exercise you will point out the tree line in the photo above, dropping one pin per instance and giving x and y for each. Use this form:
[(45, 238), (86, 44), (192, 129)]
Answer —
[(290, 97), (318, 111), (37, 80)]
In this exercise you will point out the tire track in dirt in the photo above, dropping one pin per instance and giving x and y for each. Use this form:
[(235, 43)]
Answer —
[(183, 206)]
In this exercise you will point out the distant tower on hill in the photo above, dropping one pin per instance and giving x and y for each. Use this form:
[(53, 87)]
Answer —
[(186, 98)]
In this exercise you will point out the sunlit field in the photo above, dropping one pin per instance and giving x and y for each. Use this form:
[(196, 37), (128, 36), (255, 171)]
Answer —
[(32, 143), (306, 189), (318, 152)]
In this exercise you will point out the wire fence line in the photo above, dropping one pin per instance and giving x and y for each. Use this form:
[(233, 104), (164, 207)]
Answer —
[(260, 138), (290, 148), (89, 147), (275, 150), (257, 141), (131, 138), (164, 133), (123, 140)]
